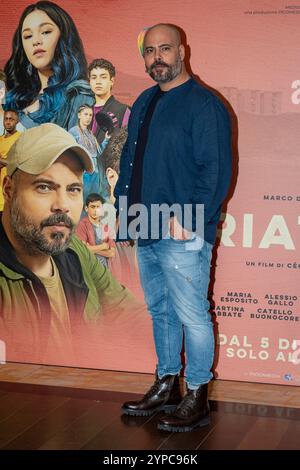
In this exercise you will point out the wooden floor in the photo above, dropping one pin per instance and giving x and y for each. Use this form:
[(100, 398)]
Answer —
[(44, 407), (48, 418)]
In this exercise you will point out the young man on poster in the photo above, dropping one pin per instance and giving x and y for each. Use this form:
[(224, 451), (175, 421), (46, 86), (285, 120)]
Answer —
[(102, 77), (178, 152), (51, 286), (93, 232), (10, 122)]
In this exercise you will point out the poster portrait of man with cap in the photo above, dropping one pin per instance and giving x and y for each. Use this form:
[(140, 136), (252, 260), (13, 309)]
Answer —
[(50, 283)]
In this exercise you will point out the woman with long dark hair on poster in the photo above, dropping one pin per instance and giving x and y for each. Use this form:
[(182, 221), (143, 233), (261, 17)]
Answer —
[(46, 73)]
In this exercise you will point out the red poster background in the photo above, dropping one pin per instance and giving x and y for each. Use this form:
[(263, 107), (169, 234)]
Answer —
[(249, 52)]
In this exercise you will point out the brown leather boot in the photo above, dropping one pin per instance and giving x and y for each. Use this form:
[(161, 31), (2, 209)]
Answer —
[(192, 412), (164, 395)]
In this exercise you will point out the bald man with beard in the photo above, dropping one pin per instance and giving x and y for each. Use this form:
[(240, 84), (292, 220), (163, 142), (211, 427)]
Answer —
[(178, 157)]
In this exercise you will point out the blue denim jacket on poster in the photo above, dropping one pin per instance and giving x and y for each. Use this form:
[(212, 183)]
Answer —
[(188, 155)]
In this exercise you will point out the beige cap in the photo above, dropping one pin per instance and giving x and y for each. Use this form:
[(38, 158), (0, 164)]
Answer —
[(39, 147)]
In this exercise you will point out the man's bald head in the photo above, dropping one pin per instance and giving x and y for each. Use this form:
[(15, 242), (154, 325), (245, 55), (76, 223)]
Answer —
[(172, 30), (164, 55)]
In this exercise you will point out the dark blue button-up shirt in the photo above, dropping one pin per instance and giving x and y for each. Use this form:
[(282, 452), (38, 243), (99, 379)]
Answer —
[(187, 158)]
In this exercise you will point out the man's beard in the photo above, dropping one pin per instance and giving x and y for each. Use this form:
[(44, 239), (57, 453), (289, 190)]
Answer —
[(165, 75), (31, 237)]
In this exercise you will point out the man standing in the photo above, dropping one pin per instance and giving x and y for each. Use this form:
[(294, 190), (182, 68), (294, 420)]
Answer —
[(178, 152), (10, 121), (50, 283), (102, 76)]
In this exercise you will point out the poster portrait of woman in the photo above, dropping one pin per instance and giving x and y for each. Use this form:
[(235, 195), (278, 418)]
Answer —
[(46, 73)]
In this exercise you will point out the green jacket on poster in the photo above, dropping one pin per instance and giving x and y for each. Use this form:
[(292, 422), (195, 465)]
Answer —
[(90, 291)]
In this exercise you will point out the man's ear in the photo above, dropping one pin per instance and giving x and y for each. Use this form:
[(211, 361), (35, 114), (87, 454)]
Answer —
[(181, 52), (8, 188)]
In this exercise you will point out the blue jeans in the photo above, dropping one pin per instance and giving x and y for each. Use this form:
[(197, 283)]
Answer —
[(175, 277)]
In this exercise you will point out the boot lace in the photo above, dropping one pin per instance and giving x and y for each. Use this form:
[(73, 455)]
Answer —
[(153, 389), (187, 405)]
